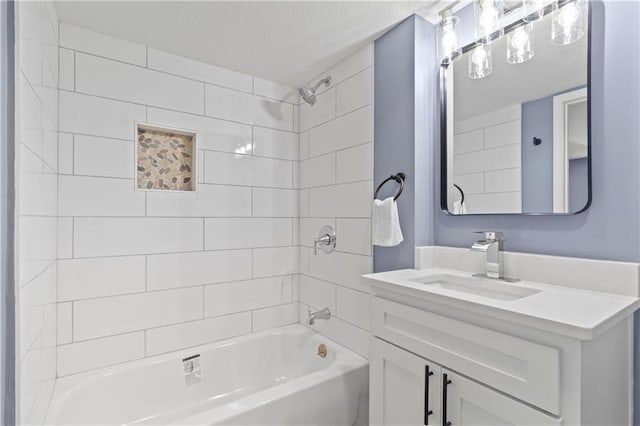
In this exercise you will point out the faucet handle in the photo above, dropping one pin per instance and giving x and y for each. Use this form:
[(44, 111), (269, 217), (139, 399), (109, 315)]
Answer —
[(492, 235)]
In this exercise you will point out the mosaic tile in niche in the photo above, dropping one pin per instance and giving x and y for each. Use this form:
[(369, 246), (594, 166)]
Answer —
[(165, 160)]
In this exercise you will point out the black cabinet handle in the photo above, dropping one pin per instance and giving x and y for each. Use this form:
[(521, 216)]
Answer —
[(427, 412), (445, 382)]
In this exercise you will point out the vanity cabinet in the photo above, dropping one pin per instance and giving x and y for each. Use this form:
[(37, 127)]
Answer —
[(453, 368)]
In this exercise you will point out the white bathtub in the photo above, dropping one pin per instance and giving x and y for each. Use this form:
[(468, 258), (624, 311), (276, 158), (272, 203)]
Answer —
[(274, 377)]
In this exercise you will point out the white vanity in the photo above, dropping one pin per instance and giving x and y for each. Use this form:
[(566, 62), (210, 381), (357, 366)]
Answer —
[(448, 348)]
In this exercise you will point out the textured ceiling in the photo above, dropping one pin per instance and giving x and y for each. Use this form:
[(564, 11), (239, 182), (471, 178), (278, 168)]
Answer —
[(285, 41)]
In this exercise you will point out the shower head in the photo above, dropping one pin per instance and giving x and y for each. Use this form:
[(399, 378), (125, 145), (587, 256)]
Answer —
[(309, 93)]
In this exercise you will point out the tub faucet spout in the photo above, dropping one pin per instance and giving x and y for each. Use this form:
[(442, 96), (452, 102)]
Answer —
[(323, 314)]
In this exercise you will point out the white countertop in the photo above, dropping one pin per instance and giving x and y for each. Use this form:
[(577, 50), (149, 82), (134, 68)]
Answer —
[(580, 314)]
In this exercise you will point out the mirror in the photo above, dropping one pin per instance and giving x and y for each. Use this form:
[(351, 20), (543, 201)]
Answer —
[(516, 141)]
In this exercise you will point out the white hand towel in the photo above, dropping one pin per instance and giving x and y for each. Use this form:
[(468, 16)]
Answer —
[(386, 223), (459, 208)]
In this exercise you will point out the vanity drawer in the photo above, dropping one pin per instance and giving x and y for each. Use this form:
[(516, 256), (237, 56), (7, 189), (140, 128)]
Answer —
[(526, 370)]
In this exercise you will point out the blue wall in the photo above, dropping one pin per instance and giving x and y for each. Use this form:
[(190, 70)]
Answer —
[(610, 228), (537, 160), (405, 93)]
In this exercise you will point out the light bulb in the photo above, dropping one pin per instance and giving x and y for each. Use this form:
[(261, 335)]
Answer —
[(488, 20), (532, 10), (520, 44), (449, 50), (568, 23), (480, 63)]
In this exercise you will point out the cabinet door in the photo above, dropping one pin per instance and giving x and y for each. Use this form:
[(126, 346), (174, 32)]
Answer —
[(467, 403), (404, 388)]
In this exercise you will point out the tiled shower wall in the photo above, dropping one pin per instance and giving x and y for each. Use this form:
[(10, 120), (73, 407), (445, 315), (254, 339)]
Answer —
[(36, 169), (144, 273), (336, 137)]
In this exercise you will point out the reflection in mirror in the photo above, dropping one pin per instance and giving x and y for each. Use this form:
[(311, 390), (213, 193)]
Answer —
[(516, 137)]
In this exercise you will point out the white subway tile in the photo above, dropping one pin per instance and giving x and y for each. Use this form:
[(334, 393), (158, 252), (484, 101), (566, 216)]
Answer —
[(65, 153), (29, 161), (355, 63), (272, 90), (268, 202), (354, 307), (491, 118), (190, 334), (189, 269), (91, 196), (119, 314), (322, 111), (341, 268), (269, 262), (92, 354), (355, 236), (472, 183), (111, 79), (354, 93), (98, 116), (296, 286), (275, 144), (226, 298), (65, 323), (468, 142), (99, 277), (303, 200), (213, 134), (36, 302), (38, 193), (246, 108), (354, 164), (318, 171), (230, 169), (310, 228), (210, 200), (504, 180), (505, 157), (77, 38), (346, 131), (185, 67), (65, 237), (296, 118), (505, 202), (346, 334), (317, 293), (345, 200), (276, 316), (304, 145), (122, 236), (67, 69), (94, 156), (503, 134), (38, 245), (230, 233)]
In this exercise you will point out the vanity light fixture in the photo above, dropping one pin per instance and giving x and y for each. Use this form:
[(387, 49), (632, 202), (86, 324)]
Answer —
[(480, 61), (567, 25), (449, 49), (488, 20), (520, 44), (533, 10)]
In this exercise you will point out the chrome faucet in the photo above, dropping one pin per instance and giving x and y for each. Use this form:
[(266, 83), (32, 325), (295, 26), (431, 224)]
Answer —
[(493, 246), (313, 316)]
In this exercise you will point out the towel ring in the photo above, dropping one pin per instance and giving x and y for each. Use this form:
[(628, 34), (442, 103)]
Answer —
[(400, 177), (461, 193)]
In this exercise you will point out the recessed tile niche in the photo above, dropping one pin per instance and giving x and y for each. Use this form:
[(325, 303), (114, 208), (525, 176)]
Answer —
[(165, 158)]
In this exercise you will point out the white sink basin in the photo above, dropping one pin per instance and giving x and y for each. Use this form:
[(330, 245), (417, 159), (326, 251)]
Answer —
[(477, 286)]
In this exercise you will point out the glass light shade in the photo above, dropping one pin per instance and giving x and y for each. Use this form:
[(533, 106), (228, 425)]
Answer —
[(480, 62), (568, 23), (520, 44), (488, 20), (448, 47), (532, 10)]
